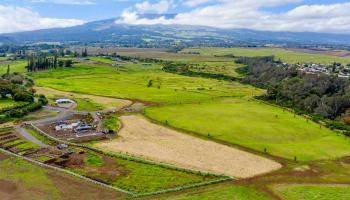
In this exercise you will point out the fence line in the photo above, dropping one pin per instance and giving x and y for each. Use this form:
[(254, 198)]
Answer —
[(132, 158), (67, 172)]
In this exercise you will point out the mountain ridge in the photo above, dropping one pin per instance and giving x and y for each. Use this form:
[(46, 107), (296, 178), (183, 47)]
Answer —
[(108, 31)]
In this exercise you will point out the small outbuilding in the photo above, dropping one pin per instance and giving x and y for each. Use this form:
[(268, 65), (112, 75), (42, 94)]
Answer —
[(64, 101)]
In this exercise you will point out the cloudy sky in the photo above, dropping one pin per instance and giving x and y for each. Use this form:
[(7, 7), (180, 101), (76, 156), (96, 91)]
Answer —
[(276, 15)]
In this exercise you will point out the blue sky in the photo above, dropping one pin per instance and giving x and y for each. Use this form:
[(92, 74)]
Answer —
[(104, 9), (289, 15)]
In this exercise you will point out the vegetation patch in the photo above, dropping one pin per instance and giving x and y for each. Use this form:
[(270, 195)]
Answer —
[(313, 192)]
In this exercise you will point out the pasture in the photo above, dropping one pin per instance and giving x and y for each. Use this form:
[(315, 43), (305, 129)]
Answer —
[(313, 192), (288, 56), (133, 82), (255, 125), (15, 66), (222, 192), (214, 109), (24, 180)]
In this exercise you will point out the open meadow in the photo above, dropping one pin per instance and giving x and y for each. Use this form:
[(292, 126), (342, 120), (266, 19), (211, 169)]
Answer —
[(286, 55)]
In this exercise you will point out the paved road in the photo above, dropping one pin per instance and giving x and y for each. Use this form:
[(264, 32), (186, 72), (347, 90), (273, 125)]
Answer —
[(24, 133)]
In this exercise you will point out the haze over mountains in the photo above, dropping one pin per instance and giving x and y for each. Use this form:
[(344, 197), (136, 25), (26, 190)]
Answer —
[(108, 31)]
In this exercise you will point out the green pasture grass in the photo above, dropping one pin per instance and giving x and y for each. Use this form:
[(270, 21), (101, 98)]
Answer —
[(9, 103), (102, 60), (313, 192), (94, 160), (15, 66), (29, 176), (84, 104), (40, 137), (285, 55), (232, 192), (256, 125), (141, 178), (111, 122), (137, 177), (27, 145), (132, 82)]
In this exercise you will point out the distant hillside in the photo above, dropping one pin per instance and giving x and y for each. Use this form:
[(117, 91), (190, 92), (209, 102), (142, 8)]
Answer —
[(107, 31)]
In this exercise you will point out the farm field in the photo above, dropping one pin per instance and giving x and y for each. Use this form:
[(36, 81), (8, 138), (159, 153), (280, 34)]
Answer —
[(232, 192), (285, 55), (193, 101), (313, 192), (24, 180), (255, 125), (142, 138), (133, 176), (131, 82)]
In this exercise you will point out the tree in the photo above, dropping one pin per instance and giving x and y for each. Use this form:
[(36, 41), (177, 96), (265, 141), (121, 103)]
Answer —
[(8, 70), (23, 95)]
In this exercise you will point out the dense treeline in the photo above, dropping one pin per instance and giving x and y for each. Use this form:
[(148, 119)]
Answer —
[(318, 94), (18, 88), (42, 62)]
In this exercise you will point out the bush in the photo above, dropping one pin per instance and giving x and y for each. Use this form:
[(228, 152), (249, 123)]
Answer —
[(23, 96)]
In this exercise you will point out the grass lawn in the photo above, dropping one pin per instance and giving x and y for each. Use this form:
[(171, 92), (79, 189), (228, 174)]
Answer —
[(285, 55), (232, 192), (255, 125), (313, 192)]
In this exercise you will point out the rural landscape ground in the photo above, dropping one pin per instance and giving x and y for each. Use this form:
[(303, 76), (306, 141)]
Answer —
[(177, 137)]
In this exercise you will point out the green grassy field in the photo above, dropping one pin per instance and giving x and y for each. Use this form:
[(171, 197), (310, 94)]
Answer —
[(285, 55), (137, 177), (30, 177), (232, 192), (314, 192), (15, 66), (132, 82), (255, 125), (89, 105), (236, 119), (8, 103)]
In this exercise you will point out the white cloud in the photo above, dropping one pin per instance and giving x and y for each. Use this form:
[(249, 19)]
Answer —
[(160, 7), (13, 19), (250, 14), (194, 3)]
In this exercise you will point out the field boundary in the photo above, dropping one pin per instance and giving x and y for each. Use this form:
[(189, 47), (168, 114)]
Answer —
[(141, 160)]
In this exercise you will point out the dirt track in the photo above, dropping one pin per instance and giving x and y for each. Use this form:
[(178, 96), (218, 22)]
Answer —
[(143, 138)]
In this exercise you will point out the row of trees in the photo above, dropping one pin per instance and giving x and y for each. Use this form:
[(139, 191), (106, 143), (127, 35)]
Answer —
[(317, 94), (42, 62)]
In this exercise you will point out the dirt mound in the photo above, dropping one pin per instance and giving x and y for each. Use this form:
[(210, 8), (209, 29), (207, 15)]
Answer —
[(143, 138)]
